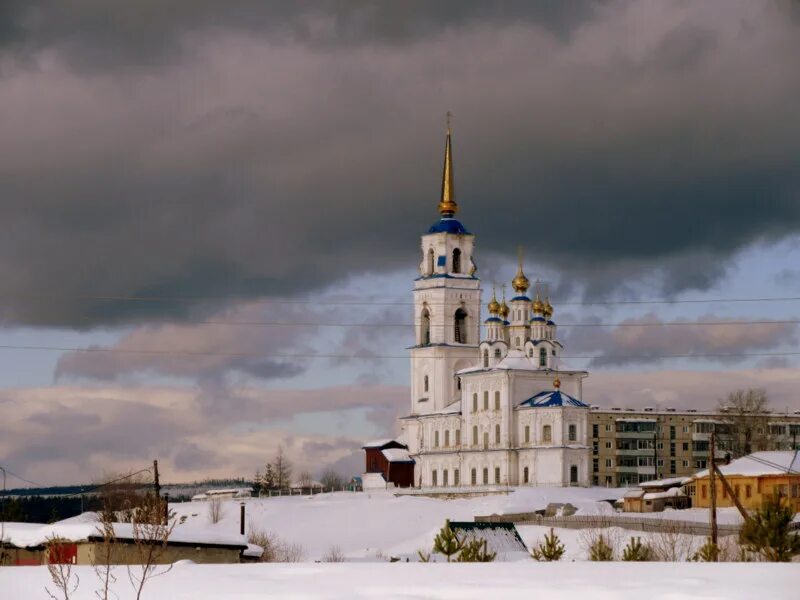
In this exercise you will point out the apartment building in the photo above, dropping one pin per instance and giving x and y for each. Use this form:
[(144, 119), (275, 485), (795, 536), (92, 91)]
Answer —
[(630, 446)]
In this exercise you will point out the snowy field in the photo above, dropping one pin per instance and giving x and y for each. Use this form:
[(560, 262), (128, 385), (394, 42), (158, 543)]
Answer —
[(554, 581), (376, 525)]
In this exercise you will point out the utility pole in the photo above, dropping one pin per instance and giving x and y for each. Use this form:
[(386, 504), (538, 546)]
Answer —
[(712, 480), (156, 484)]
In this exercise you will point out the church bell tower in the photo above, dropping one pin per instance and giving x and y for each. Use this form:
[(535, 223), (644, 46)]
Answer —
[(447, 300)]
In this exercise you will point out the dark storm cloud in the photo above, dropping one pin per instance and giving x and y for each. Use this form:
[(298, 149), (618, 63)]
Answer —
[(232, 151)]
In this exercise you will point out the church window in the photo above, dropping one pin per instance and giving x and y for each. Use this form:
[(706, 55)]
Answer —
[(485, 359), (485, 439), (474, 402), (456, 478), (547, 433), (542, 357), (527, 434), (474, 435), (497, 353), (497, 474), (485, 476), (425, 384), (458, 383), (458, 437), (445, 478), (474, 477), (425, 326), (573, 474), (460, 326), (430, 261), (525, 475), (446, 438), (497, 400), (436, 439), (573, 434), (456, 261), (433, 478), (485, 400), (497, 434)]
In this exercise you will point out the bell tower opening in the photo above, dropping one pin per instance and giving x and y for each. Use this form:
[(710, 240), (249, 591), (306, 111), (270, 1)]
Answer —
[(460, 326), (425, 328), (456, 261)]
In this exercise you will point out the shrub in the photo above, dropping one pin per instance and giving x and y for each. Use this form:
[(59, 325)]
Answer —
[(552, 548), (333, 555), (768, 534), (601, 549), (635, 551), (475, 550)]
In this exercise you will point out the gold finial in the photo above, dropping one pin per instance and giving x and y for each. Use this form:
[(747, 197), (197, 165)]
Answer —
[(447, 203), (520, 283), (503, 306), (538, 305), (494, 305), (556, 382)]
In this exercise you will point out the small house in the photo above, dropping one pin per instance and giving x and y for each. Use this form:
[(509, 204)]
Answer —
[(655, 496), (390, 460)]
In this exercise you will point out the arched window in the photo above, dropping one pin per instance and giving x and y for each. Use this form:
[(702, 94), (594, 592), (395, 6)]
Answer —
[(485, 440), (456, 261), (573, 474), (433, 478), (474, 476), (542, 357), (497, 400), (497, 475), (525, 475), (458, 437), (429, 269), (547, 433), (460, 326), (446, 438), (527, 434), (486, 400), (458, 383), (497, 434), (485, 476), (475, 402), (436, 439), (497, 353), (573, 434), (425, 328), (474, 435), (425, 383), (444, 478), (485, 359), (456, 478)]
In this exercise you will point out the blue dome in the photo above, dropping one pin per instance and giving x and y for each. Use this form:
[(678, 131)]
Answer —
[(493, 320), (448, 225), (523, 298), (550, 398), (537, 319)]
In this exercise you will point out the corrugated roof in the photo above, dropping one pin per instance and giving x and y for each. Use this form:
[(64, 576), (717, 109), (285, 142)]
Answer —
[(550, 398)]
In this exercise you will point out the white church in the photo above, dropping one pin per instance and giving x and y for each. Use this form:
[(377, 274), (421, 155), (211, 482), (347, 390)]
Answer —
[(494, 410)]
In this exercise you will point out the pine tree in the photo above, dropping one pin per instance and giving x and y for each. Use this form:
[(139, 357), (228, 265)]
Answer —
[(257, 484), (282, 470), (768, 532), (635, 551), (475, 550), (446, 542), (601, 550), (268, 480), (708, 552), (552, 548)]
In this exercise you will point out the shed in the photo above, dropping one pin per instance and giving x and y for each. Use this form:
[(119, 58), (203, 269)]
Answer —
[(391, 460)]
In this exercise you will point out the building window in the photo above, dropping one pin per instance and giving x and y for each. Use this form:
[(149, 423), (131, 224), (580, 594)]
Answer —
[(485, 359), (595, 466), (436, 439), (527, 434), (460, 321), (672, 432), (525, 475), (458, 437), (497, 354), (474, 402), (474, 477), (685, 446), (542, 357), (446, 438), (686, 464), (485, 439), (672, 467), (445, 478), (497, 474), (573, 433), (474, 435), (608, 427), (456, 480), (609, 463), (485, 400), (456, 261), (748, 490), (485, 476), (429, 269), (425, 383), (608, 445), (425, 327), (433, 478), (573, 474), (595, 430), (497, 400), (547, 433), (497, 434)]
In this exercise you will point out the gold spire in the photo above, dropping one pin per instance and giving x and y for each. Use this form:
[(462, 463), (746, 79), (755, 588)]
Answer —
[(538, 305), (520, 283), (556, 382), (447, 204), (494, 305), (503, 306)]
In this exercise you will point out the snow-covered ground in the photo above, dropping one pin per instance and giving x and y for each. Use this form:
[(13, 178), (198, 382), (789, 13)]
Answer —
[(376, 525), (354, 581)]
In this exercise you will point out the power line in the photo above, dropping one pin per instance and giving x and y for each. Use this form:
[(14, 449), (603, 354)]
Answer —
[(15, 476), (195, 353)]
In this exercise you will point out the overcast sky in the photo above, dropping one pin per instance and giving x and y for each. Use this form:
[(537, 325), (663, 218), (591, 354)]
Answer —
[(223, 158)]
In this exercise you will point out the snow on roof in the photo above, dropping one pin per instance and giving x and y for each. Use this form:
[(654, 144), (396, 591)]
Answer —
[(377, 443), (502, 538), (670, 493), (669, 482), (761, 463), (397, 455), (29, 535)]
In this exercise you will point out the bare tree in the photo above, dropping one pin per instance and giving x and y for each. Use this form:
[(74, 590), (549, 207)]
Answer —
[(275, 548), (104, 557), (282, 470), (59, 565), (150, 536), (746, 412), (333, 555), (214, 510), (330, 479), (304, 479)]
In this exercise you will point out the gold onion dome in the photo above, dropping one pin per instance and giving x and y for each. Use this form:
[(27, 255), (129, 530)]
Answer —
[(538, 305), (494, 305), (520, 283), (504, 310), (447, 203), (548, 308)]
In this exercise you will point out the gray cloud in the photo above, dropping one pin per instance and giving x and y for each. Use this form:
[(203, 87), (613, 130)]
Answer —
[(631, 344), (276, 151)]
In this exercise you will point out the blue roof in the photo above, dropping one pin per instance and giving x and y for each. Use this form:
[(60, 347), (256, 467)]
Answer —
[(537, 318), (550, 323), (494, 320), (524, 298), (448, 225), (553, 398)]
